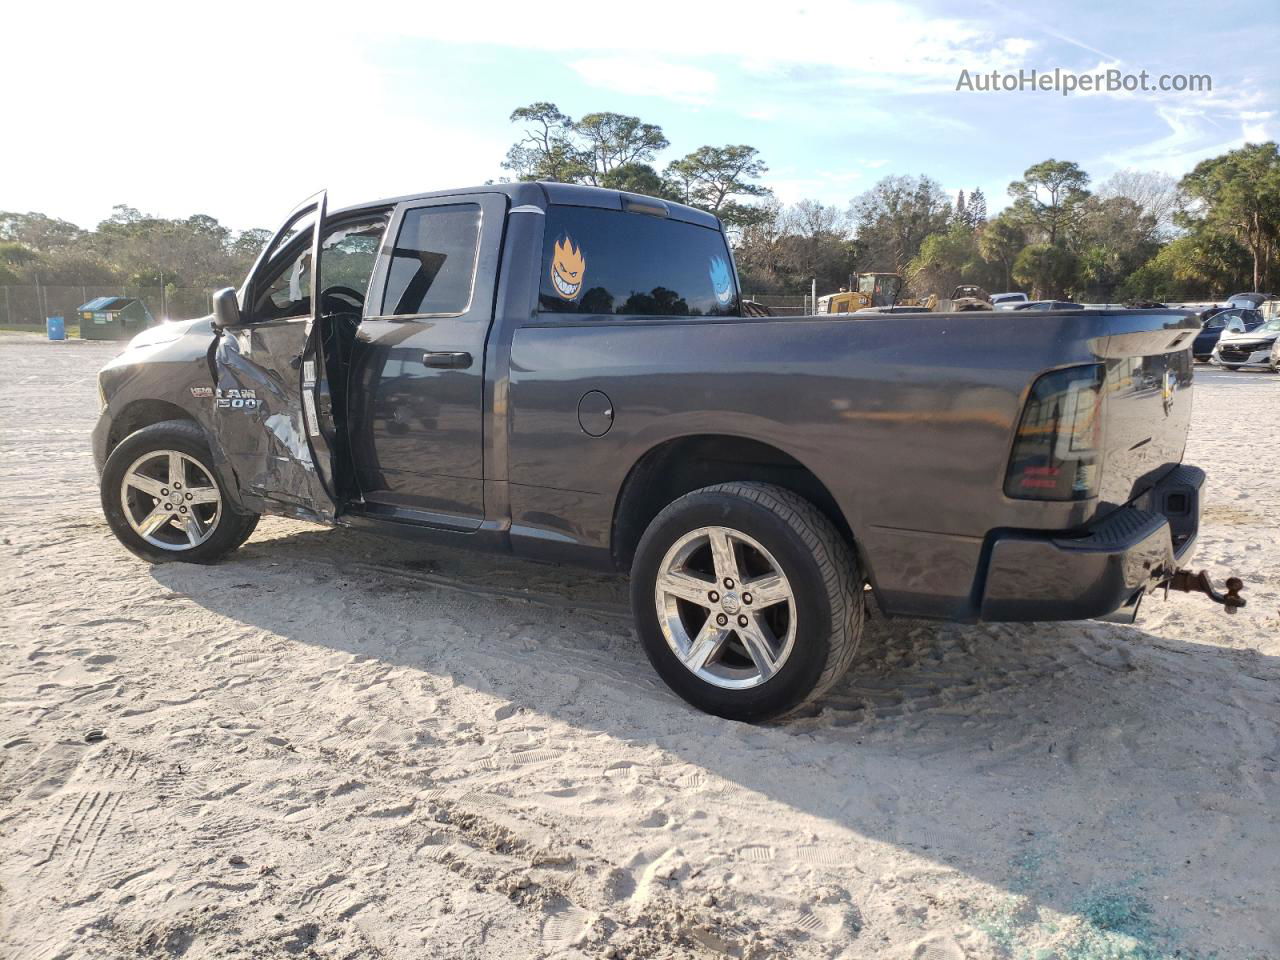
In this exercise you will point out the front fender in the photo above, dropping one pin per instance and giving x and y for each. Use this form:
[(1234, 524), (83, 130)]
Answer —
[(161, 378)]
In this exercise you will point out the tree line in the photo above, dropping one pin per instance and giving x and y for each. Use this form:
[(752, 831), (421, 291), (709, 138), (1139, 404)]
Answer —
[(1136, 236), (129, 250)]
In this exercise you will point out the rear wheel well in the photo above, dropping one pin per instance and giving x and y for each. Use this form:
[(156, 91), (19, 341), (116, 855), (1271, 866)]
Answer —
[(680, 466), (143, 413)]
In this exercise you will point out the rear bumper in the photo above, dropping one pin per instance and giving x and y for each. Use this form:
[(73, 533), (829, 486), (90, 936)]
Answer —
[(1096, 571)]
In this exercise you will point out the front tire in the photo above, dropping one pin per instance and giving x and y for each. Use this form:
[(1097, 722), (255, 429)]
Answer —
[(163, 500), (747, 600)]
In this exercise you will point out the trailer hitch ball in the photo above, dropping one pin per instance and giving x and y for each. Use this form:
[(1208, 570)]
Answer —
[(1189, 582)]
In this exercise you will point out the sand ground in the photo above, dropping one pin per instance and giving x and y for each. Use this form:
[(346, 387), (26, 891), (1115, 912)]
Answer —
[(334, 745)]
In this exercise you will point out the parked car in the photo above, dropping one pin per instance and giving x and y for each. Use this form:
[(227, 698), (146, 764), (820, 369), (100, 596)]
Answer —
[(563, 373), (1048, 305), (964, 298), (1255, 346), (1007, 301), (1214, 321), (1211, 327), (969, 296), (1249, 301)]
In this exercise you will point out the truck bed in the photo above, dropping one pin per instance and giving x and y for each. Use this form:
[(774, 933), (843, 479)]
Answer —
[(906, 419)]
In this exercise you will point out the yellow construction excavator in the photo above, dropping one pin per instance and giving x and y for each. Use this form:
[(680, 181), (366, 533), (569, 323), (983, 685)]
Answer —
[(870, 290)]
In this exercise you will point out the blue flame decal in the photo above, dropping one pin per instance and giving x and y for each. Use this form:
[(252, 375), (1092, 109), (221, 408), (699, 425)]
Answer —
[(721, 280)]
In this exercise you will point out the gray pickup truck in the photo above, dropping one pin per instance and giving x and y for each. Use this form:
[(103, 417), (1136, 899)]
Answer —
[(568, 374)]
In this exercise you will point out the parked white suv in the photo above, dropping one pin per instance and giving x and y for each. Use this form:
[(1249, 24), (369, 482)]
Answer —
[(1007, 301)]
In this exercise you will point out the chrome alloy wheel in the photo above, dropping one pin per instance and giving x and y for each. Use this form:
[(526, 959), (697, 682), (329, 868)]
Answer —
[(725, 608), (170, 500)]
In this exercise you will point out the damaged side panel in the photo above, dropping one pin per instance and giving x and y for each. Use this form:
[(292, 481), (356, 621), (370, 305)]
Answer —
[(256, 414)]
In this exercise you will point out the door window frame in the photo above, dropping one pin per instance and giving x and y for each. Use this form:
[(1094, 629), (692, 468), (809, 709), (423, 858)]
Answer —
[(271, 261), (493, 208), (274, 253)]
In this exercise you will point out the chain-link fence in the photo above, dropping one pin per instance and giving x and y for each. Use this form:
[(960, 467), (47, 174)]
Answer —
[(29, 304)]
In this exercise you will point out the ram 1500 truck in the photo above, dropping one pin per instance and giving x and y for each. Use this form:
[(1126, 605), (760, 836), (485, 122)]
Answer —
[(566, 373)]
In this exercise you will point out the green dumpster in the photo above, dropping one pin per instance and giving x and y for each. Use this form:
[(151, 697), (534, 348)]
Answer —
[(113, 318)]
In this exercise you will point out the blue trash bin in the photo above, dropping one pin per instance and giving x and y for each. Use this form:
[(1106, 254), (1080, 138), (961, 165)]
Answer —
[(56, 328)]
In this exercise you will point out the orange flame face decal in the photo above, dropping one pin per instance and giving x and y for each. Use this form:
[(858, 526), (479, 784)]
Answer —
[(568, 268)]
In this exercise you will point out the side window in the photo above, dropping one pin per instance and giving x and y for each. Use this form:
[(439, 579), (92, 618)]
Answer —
[(348, 256), (609, 262), (433, 265), (288, 294)]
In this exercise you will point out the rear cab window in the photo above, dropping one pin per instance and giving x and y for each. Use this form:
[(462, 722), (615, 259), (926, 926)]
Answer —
[(608, 263)]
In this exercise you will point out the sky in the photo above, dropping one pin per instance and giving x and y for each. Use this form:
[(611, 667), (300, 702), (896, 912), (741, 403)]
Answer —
[(239, 110)]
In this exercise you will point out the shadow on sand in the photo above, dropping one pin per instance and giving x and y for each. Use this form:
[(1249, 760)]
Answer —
[(1067, 764)]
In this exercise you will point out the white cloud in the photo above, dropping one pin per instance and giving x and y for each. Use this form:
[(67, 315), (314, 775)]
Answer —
[(227, 114), (829, 186), (639, 75), (241, 111), (1258, 126), (1193, 136), (897, 40)]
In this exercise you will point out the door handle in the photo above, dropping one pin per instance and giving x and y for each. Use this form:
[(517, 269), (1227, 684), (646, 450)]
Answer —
[(447, 360)]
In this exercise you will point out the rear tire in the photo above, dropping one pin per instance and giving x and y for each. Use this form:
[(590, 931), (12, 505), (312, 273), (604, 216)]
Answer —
[(1231, 366), (798, 635), (196, 524)]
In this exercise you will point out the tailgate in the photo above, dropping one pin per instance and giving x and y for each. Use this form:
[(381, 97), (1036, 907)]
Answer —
[(1147, 404)]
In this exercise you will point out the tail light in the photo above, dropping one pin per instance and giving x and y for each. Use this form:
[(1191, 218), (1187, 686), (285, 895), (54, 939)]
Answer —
[(1058, 449)]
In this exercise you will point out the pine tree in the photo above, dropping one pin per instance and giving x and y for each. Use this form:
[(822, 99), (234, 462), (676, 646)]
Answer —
[(977, 208), (962, 215)]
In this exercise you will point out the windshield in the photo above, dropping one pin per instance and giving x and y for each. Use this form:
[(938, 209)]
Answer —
[(1271, 326), (882, 288)]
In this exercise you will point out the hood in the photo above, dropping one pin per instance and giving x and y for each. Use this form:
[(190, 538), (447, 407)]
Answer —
[(172, 330), (1257, 333)]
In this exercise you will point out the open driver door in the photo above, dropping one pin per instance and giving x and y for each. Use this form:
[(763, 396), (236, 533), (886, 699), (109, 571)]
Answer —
[(271, 415)]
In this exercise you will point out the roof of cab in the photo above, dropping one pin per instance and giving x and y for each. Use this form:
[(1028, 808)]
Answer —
[(542, 194)]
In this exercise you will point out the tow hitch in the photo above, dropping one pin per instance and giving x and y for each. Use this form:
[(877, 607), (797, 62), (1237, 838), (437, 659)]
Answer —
[(1189, 582)]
